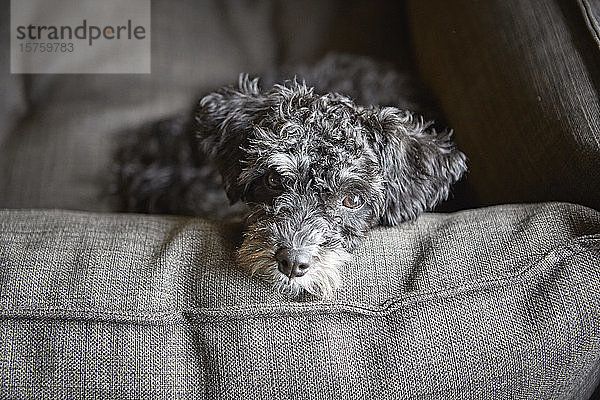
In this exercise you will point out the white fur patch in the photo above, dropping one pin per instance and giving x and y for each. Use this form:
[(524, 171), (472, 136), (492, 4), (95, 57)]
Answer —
[(321, 280)]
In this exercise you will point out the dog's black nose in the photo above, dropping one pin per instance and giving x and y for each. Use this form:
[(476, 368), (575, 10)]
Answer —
[(293, 263)]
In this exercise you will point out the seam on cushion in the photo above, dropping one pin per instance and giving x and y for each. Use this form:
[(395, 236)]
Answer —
[(150, 318), (575, 247), (590, 20)]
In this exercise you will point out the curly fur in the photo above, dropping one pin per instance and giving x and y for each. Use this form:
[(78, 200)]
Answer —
[(321, 146)]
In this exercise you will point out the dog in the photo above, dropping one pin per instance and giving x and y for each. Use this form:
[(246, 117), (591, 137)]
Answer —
[(312, 170)]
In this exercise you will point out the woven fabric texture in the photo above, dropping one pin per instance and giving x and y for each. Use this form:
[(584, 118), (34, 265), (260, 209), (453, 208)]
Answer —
[(502, 302), (518, 81)]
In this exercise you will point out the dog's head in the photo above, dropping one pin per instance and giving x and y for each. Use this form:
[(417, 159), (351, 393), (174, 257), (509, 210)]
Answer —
[(317, 172)]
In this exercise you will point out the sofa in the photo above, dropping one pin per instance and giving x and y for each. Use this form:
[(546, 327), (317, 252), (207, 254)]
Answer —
[(496, 295)]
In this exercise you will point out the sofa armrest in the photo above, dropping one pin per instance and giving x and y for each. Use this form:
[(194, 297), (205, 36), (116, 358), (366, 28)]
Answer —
[(518, 81)]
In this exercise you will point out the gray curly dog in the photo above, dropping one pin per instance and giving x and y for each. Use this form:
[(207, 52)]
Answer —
[(312, 169)]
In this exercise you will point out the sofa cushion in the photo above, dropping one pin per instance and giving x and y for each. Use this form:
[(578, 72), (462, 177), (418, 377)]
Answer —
[(502, 302), (519, 83)]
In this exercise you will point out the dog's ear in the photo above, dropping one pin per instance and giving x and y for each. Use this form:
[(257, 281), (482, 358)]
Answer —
[(224, 121), (419, 164)]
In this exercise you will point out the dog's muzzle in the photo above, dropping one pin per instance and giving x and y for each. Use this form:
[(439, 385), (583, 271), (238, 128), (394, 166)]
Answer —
[(293, 262)]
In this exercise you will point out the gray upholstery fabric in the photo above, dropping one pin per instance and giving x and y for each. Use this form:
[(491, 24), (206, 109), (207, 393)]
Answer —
[(519, 82), (501, 302)]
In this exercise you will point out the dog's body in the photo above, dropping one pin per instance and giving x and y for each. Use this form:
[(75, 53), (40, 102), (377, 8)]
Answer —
[(314, 171)]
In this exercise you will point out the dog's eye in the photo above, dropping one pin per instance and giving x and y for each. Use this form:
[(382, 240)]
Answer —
[(273, 180), (353, 201)]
